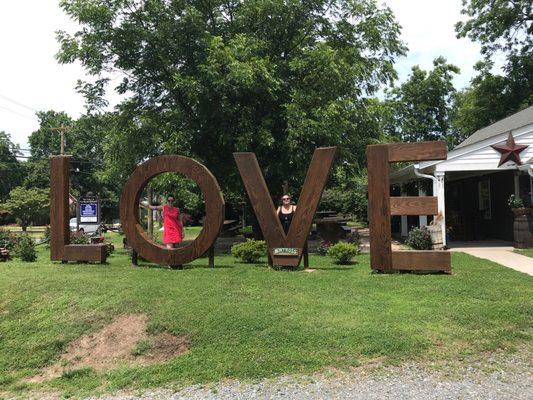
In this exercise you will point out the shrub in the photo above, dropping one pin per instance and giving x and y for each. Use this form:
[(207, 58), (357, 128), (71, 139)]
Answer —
[(79, 238), (419, 239), (250, 251), (515, 202), (322, 249), (8, 239), (25, 249), (343, 253)]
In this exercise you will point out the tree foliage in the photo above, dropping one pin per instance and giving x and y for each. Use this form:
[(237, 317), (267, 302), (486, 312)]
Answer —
[(422, 107), (205, 79), (28, 206), (500, 26), (11, 170)]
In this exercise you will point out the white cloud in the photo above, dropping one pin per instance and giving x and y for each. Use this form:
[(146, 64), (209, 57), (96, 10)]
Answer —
[(428, 29)]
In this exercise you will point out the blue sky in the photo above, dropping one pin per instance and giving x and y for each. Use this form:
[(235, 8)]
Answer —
[(31, 79)]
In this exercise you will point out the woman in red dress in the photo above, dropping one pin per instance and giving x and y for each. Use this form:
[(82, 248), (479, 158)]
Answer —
[(172, 223)]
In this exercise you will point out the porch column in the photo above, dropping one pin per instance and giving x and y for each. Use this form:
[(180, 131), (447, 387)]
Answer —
[(438, 190), (405, 228), (517, 184), (422, 219)]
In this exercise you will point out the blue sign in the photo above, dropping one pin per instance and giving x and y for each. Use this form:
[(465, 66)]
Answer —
[(89, 212)]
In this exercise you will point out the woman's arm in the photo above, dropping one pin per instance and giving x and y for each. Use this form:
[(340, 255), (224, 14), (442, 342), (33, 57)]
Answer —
[(144, 204)]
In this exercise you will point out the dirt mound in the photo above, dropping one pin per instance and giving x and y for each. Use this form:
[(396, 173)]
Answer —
[(123, 341)]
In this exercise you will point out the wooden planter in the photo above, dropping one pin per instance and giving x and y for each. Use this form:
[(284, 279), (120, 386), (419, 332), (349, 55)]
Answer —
[(523, 228), (521, 211)]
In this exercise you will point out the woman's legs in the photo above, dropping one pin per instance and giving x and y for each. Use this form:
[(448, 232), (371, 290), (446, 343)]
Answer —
[(173, 246)]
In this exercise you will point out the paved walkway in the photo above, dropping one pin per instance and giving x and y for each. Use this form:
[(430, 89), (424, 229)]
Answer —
[(497, 251)]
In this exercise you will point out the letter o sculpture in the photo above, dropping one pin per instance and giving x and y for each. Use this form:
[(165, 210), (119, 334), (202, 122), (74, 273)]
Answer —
[(129, 210)]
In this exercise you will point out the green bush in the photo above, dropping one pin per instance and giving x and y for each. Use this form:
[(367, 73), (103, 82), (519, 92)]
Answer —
[(79, 238), (8, 239), (419, 239), (343, 253), (250, 251), (25, 249)]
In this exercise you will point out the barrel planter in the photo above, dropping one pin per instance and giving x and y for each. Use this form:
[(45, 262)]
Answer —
[(523, 228), (435, 232)]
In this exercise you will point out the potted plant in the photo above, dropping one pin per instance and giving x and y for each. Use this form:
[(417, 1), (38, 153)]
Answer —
[(517, 206)]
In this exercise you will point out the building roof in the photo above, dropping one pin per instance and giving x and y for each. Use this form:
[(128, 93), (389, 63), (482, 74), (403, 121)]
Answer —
[(515, 121)]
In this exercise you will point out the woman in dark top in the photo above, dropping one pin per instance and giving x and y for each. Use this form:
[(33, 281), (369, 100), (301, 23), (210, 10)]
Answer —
[(286, 212)]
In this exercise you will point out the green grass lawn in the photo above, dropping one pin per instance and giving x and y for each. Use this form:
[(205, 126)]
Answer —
[(247, 321), (525, 252)]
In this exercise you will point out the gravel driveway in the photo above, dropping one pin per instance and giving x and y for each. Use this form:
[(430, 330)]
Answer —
[(494, 378)]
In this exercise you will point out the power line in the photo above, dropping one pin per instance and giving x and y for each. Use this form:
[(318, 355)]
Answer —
[(18, 103), (16, 112)]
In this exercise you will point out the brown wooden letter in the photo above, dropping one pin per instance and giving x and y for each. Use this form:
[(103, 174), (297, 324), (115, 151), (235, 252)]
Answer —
[(129, 210), (381, 206), (60, 247), (265, 211)]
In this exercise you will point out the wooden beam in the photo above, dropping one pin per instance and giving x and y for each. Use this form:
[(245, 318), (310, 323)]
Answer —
[(415, 205), (59, 207), (379, 207), (421, 151), (85, 252), (421, 260)]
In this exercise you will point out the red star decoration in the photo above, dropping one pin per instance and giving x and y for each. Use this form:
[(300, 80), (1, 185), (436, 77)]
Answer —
[(510, 150)]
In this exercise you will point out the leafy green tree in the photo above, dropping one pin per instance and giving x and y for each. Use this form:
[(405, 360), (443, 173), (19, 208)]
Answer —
[(205, 79), (505, 27), (11, 170), (28, 206), (422, 107), (491, 97), (499, 25)]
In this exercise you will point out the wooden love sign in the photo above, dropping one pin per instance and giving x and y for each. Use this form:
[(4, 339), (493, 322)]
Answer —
[(284, 249)]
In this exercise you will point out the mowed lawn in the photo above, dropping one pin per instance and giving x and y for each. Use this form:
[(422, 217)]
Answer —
[(247, 321)]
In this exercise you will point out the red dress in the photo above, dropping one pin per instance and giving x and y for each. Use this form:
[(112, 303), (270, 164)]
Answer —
[(172, 230)]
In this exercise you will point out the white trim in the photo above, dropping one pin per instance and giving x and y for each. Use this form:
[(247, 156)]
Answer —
[(462, 151)]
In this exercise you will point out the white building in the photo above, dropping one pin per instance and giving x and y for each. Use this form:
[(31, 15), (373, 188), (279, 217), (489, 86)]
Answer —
[(471, 185)]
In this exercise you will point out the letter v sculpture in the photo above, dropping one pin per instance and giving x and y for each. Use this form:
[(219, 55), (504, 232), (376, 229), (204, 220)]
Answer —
[(286, 249)]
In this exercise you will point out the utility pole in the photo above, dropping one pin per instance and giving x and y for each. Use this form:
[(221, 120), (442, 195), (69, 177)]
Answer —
[(62, 129)]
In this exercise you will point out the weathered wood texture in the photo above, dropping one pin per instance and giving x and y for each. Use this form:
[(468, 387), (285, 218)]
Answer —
[(60, 249), (416, 205), (141, 242), (437, 260), (379, 207), (265, 211), (382, 206), (85, 252), (422, 151), (59, 211)]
